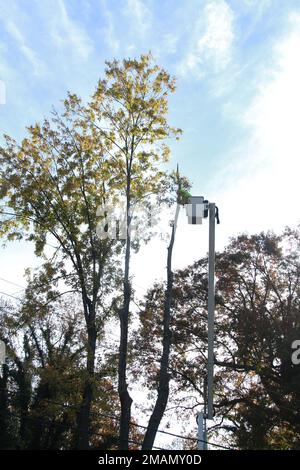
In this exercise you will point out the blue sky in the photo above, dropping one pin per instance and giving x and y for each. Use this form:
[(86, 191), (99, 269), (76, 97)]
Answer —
[(237, 64)]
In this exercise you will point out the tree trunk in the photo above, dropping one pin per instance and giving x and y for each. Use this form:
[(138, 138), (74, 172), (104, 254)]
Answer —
[(125, 399), (164, 378), (25, 392), (6, 440), (83, 421)]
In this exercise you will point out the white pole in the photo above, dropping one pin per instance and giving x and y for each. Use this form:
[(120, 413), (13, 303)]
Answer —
[(211, 311), (200, 422), (204, 433)]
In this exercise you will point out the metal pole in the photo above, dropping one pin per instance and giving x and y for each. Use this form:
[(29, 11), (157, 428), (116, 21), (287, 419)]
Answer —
[(204, 433), (200, 423), (205, 412), (211, 310)]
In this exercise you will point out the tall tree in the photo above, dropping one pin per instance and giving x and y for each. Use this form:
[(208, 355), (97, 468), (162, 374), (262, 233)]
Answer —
[(51, 186), (129, 109), (54, 182)]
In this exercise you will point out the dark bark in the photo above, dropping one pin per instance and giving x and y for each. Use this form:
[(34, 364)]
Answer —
[(6, 439), (83, 421), (25, 392), (125, 399), (38, 427), (164, 377)]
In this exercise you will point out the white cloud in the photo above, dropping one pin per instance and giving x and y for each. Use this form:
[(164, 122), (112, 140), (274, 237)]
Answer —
[(67, 33), (170, 42), (255, 10), (109, 29), (2, 92), (139, 15), (64, 33), (211, 45), (131, 49), (257, 5), (5, 69), (259, 189), (29, 54)]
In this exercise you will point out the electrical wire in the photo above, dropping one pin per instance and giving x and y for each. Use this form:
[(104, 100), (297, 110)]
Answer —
[(12, 283), (10, 295), (66, 426), (116, 418), (195, 439)]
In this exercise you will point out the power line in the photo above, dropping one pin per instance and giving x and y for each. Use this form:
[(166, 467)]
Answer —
[(116, 418), (145, 427), (64, 405), (12, 283), (138, 425), (12, 296), (42, 306), (66, 426)]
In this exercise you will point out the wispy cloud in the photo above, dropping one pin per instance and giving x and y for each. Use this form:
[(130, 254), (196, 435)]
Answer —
[(211, 43), (109, 29), (2, 92), (170, 43), (140, 16), (66, 33), (6, 70), (255, 11), (28, 53)]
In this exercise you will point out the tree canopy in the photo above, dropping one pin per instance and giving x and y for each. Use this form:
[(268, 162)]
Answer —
[(257, 320)]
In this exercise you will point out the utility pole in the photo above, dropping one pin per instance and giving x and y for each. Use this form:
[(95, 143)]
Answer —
[(211, 311), (200, 423), (198, 208), (205, 412)]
